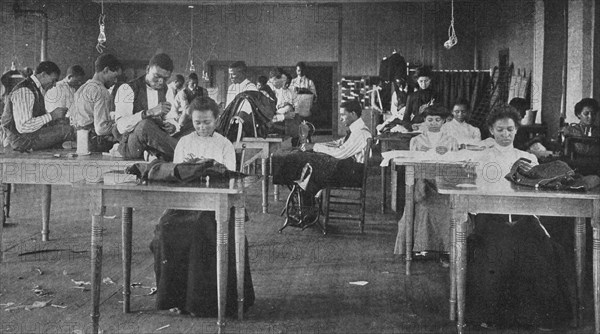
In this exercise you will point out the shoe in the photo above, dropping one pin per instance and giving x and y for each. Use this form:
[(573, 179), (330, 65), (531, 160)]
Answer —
[(487, 325), (69, 145)]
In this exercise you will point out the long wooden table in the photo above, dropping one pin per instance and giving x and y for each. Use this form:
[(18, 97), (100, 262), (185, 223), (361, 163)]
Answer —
[(217, 196), (267, 146), (62, 167), (501, 197), (53, 167)]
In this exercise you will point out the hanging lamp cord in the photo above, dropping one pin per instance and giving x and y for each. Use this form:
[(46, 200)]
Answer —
[(451, 33), (102, 36)]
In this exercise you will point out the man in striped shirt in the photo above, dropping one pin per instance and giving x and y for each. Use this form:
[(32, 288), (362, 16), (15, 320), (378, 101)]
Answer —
[(26, 123)]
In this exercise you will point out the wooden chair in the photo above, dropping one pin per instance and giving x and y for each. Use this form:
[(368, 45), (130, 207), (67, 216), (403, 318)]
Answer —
[(583, 164), (339, 199)]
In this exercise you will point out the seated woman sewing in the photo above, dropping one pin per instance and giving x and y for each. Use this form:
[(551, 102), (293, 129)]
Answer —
[(587, 112), (517, 276), (184, 241), (431, 212)]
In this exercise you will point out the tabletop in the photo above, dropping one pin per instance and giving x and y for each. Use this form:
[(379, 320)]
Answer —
[(266, 140), (215, 186), (505, 188), (61, 155)]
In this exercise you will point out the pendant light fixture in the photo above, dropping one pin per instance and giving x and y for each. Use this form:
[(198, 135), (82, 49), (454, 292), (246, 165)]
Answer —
[(102, 35), (190, 53)]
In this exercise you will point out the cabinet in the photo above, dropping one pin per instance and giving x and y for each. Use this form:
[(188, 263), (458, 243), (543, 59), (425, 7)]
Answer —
[(352, 88)]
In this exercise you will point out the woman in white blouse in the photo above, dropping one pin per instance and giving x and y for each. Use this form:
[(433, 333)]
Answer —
[(517, 276)]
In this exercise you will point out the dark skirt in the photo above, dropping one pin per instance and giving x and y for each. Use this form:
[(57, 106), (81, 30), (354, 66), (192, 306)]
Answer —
[(185, 264), (517, 275)]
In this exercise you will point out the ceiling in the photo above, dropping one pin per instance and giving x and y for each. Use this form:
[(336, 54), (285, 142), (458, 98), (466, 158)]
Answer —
[(263, 2)]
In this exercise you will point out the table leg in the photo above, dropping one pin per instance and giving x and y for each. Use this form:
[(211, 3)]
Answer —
[(596, 260), (2, 220), (393, 186), (275, 186), (126, 232), (96, 255), (461, 258), (408, 210), (222, 217), (265, 185), (579, 266), (383, 190), (46, 199), (240, 256), (452, 270), (6, 206)]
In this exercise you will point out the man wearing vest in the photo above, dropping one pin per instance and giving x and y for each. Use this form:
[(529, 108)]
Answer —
[(140, 109), (26, 123)]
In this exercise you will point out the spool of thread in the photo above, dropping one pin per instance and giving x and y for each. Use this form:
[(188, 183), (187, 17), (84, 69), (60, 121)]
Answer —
[(82, 142)]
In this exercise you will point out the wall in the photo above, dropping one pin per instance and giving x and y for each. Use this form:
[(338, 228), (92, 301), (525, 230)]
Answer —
[(260, 34), (506, 24), (356, 36), (72, 34), (417, 31)]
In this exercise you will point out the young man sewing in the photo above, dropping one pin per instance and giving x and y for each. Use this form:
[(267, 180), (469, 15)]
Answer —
[(27, 124), (140, 109), (354, 143)]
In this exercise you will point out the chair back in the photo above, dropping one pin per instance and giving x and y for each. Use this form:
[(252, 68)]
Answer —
[(240, 123), (367, 155), (582, 154)]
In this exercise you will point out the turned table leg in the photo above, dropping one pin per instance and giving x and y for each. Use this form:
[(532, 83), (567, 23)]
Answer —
[(126, 240), (408, 212), (46, 199)]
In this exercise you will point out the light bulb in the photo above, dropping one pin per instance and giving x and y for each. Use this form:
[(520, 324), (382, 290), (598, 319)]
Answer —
[(101, 35)]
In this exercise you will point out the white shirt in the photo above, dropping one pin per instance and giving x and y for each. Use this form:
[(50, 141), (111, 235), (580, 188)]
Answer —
[(215, 147), (61, 95), (303, 82), (286, 96), (178, 106), (495, 162), (464, 132), (92, 106), (235, 89), (124, 117), (23, 100), (172, 92), (353, 147)]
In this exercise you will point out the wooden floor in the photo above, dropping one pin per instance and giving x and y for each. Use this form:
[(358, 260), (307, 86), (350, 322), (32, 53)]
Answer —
[(302, 278)]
